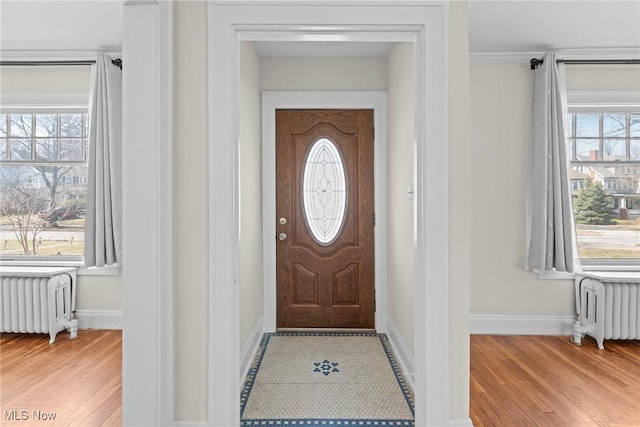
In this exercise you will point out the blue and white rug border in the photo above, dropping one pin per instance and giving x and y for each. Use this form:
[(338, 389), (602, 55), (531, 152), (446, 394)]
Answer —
[(315, 422), (251, 376)]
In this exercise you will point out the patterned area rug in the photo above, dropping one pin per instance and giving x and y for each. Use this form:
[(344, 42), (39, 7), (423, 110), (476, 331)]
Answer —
[(325, 379)]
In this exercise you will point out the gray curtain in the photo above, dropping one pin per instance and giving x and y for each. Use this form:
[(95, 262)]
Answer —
[(103, 229), (551, 233)]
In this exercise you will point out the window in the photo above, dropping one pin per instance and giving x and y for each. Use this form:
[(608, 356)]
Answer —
[(324, 191), (604, 151), (43, 182)]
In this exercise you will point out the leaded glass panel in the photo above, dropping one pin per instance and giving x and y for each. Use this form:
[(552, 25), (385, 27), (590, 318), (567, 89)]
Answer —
[(324, 191)]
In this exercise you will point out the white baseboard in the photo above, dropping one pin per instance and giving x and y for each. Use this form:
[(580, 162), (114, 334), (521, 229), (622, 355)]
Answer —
[(462, 422), (250, 349), (190, 423), (99, 319), (403, 356), (497, 324)]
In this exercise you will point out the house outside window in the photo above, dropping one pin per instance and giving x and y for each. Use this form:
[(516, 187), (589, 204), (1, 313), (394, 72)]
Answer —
[(603, 147), (43, 182)]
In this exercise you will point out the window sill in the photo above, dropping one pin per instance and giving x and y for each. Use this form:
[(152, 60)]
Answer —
[(562, 275), (111, 270), (555, 275), (611, 267)]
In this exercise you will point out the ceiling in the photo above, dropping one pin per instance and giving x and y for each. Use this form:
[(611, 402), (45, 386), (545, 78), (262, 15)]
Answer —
[(494, 27), (528, 26), (61, 25)]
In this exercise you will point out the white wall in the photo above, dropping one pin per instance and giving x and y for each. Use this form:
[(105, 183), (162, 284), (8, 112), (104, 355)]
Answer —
[(501, 99), (603, 77), (402, 139), (461, 173), (41, 79), (250, 192), (501, 102), (191, 177), (93, 292), (99, 293), (336, 73)]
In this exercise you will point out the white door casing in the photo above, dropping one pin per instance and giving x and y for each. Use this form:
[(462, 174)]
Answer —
[(307, 100), (424, 23)]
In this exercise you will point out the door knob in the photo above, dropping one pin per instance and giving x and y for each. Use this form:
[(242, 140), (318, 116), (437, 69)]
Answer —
[(282, 236)]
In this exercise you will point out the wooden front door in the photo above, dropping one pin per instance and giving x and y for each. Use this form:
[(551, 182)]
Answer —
[(325, 219)]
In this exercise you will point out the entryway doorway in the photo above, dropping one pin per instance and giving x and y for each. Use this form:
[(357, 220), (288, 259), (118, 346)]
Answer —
[(374, 103), (423, 25)]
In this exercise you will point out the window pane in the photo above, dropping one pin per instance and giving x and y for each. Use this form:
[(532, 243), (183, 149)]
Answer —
[(71, 125), (26, 199), (570, 143), (20, 149), (324, 191), (613, 149), (607, 211), (614, 125), (41, 199), (46, 149), (634, 152), (21, 125), (3, 125), (569, 124), (588, 125), (71, 149), (46, 125), (635, 124), (587, 149), (607, 203)]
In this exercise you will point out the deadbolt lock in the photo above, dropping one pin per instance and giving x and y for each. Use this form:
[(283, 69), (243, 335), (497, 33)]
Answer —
[(282, 221)]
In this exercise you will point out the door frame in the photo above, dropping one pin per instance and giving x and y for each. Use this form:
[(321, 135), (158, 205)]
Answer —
[(273, 100), (426, 24)]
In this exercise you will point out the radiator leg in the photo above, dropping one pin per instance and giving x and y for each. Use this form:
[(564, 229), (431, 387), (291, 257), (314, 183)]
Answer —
[(577, 333), (72, 327)]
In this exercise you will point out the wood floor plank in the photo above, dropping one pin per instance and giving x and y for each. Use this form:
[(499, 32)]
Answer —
[(77, 381), (549, 381), (515, 380)]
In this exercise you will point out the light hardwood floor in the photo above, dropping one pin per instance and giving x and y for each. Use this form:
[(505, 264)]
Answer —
[(515, 381), (79, 382), (549, 381)]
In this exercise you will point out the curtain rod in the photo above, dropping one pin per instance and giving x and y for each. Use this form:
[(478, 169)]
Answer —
[(117, 62), (535, 61)]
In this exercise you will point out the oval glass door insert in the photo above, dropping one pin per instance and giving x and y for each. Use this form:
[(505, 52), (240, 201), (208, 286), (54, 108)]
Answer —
[(324, 191)]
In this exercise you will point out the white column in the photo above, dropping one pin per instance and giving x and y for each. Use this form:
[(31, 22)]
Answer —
[(147, 267)]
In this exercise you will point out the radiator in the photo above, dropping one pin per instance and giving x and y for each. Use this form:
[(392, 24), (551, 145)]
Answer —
[(38, 300), (607, 306)]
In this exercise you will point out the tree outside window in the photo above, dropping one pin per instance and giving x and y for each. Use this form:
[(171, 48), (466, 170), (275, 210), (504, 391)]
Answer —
[(604, 151), (43, 179)]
